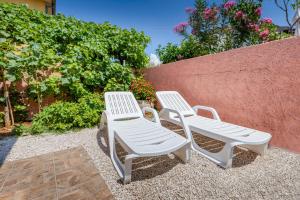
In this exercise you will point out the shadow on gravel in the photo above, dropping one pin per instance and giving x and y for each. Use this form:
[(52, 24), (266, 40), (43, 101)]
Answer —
[(103, 140), (6, 144), (142, 168), (241, 158)]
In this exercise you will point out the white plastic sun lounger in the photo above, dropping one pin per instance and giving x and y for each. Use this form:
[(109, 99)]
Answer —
[(137, 135), (232, 135)]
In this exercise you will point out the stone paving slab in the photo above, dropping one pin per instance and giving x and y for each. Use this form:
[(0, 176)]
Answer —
[(62, 175)]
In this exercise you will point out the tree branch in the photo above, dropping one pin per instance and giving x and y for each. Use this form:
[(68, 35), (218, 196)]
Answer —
[(284, 8), (279, 6)]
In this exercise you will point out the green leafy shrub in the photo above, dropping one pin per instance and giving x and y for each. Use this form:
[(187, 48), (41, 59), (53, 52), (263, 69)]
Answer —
[(168, 53), (142, 89), (119, 78), (63, 116), (1, 119), (20, 112), (114, 85), (122, 74), (190, 47), (94, 101), (21, 130), (66, 58)]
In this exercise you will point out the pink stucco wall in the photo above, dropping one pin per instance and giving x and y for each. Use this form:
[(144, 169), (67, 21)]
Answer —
[(257, 87)]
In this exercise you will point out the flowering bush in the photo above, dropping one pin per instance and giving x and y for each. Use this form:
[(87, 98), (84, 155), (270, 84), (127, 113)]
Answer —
[(142, 89), (244, 19), (220, 27)]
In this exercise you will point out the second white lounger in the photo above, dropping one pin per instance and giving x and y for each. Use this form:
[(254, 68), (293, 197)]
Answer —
[(137, 135), (232, 135)]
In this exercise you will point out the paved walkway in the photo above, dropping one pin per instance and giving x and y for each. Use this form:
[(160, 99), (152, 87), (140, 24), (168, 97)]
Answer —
[(67, 174)]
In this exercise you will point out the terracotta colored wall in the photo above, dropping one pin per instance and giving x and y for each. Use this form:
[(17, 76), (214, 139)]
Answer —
[(31, 105), (257, 87)]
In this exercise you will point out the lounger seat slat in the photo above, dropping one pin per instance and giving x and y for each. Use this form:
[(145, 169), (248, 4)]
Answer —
[(157, 134), (218, 127)]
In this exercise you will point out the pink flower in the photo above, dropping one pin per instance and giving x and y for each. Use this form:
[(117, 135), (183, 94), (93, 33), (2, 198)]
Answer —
[(229, 4), (239, 14), (207, 13), (210, 13), (264, 34), (267, 20), (179, 28), (190, 10), (258, 11), (253, 27)]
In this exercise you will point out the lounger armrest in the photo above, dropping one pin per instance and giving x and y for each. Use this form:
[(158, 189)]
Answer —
[(182, 120), (106, 115), (154, 113), (105, 118), (210, 109)]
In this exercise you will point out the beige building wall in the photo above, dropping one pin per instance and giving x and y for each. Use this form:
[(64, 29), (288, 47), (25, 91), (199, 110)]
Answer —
[(33, 4)]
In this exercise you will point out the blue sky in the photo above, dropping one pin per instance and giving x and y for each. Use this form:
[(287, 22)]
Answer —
[(155, 17)]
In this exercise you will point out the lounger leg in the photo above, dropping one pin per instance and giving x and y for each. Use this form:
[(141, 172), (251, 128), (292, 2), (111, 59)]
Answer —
[(222, 158), (124, 170), (184, 153), (127, 169), (259, 149), (113, 154), (226, 155)]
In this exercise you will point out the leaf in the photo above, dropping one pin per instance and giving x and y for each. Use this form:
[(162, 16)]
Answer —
[(33, 91), (4, 34), (11, 64), (2, 64), (43, 87), (64, 81), (10, 77)]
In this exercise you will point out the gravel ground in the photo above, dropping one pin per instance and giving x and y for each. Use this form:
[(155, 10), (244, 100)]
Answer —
[(274, 176)]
